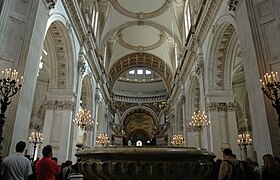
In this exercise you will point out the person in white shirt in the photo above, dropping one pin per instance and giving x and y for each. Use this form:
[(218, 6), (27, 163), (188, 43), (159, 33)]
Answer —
[(16, 166)]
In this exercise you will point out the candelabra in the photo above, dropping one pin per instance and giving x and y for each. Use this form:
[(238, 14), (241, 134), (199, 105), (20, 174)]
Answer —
[(83, 119), (9, 86), (177, 139), (271, 87), (243, 141), (35, 138), (102, 139), (199, 120)]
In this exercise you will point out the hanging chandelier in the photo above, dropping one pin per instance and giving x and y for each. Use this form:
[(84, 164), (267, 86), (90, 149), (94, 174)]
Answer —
[(102, 139), (83, 119), (199, 120), (177, 139)]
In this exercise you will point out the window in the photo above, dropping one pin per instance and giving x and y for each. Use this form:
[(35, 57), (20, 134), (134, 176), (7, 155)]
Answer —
[(139, 71), (131, 72)]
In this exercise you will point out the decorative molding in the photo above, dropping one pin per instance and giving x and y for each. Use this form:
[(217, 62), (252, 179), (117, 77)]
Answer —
[(140, 48), (217, 106), (59, 105), (199, 67), (232, 4), (161, 28), (51, 4), (81, 64), (141, 15)]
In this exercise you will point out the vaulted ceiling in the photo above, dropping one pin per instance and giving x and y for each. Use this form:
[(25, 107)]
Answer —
[(144, 35)]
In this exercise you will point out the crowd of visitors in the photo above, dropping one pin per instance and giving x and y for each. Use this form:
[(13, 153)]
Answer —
[(17, 166), (232, 169), (20, 167)]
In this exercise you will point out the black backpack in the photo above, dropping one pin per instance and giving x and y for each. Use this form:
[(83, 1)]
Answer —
[(237, 172)]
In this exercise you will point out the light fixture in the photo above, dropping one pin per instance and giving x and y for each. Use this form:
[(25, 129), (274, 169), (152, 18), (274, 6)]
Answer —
[(271, 88), (35, 138), (102, 139), (177, 139), (9, 86), (199, 120), (244, 140), (83, 119)]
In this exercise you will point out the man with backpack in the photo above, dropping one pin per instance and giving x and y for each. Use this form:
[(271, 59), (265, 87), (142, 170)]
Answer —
[(229, 166)]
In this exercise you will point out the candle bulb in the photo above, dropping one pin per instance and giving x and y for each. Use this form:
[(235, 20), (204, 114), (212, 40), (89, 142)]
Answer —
[(276, 76)]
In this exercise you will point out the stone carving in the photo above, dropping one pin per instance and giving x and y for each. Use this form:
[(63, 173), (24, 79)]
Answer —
[(232, 4), (51, 3), (199, 68), (82, 66), (216, 106), (59, 105), (152, 163)]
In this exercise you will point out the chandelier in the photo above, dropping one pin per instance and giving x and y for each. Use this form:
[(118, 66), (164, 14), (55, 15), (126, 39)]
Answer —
[(35, 138), (83, 119), (199, 120), (271, 88), (244, 140), (102, 139), (177, 139)]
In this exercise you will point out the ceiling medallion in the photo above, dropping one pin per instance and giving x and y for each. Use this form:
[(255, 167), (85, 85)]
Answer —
[(141, 48), (141, 15)]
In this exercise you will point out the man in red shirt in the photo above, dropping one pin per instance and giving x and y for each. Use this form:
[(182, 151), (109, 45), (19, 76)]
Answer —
[(46, 168)]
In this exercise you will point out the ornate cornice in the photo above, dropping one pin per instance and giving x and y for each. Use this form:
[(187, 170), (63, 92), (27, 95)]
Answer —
[(141, 15)]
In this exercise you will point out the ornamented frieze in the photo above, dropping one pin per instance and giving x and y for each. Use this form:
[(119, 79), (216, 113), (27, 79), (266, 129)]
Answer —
[(216, 106), (59, 105)]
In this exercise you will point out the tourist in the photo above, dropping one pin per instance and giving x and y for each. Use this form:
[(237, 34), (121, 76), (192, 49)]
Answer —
[(46, 168), (16, 166), (227, 166), (270, 170)]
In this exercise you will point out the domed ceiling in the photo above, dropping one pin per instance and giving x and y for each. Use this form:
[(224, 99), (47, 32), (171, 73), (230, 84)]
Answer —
[(142, 35)]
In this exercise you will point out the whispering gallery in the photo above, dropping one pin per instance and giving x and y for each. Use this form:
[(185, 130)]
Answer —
[(149, 74)]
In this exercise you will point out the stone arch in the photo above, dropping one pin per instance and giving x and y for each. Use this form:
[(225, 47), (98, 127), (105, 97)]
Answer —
[(142, 109), (144, 60), (220, 54), (60, 58)]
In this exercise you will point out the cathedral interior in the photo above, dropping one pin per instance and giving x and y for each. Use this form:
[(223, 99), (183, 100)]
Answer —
[(141, 70)]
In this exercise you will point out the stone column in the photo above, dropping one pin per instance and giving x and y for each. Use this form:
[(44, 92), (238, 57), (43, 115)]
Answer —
[(223, 127), (22, 28), (57, 128)]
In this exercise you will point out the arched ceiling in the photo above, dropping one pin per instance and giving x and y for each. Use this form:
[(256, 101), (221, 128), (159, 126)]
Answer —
[(147, 28)]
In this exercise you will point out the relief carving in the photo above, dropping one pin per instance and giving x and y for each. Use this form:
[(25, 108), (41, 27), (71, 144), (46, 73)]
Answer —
[(59, 105), (216, 106), (51, 3)]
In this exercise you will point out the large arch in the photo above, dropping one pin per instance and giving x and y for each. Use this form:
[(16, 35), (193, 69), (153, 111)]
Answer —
[(143, 60)]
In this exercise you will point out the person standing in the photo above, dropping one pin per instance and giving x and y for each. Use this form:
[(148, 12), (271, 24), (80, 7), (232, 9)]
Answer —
[(46, 168), (16, 166), (227, 165)]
